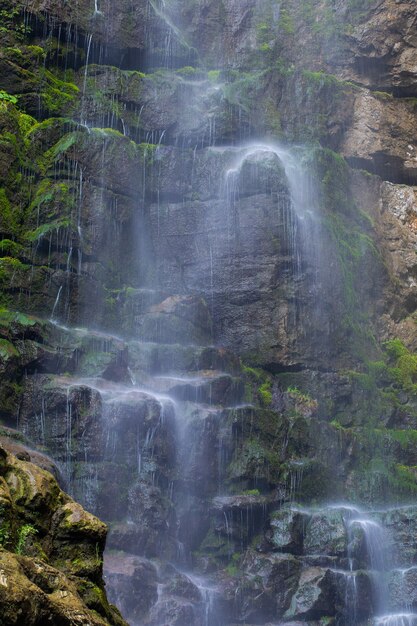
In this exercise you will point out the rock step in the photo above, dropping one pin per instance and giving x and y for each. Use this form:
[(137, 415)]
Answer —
[(178, 319), (206, 387), (96, 354), (156, 358)]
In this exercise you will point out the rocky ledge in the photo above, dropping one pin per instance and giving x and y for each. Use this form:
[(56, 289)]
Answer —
[(51, 550)]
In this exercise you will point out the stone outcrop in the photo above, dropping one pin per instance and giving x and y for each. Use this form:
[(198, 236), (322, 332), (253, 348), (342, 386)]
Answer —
[(51, 549)]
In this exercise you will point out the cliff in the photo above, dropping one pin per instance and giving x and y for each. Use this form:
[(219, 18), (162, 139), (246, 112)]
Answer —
[(208, 221)]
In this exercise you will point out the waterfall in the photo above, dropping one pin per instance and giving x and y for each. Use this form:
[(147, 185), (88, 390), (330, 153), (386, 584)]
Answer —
[(207, 413)]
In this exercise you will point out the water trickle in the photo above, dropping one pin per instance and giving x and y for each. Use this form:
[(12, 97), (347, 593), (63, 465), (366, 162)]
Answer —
[(56, 304), (378, 558), (96, 9), (400, 619)]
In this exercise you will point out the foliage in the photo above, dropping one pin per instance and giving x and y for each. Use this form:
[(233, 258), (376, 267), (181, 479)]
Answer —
[(296, 393), (7, 97), (233, 567), (404, 370), (265, 393), (11, 21), (242, 88), (23, 534), (47, 229), (213, 75), (188, 72), (5, 534)]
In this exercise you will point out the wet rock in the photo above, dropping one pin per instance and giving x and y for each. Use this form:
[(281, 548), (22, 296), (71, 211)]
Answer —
[(401, 525), (133, 583), (121, 20), (174, 611), (286, 532), (207, 387), (157, 359), (13, 444), (53, 408), (35, 593), (241, 517), (403, 587), (203, 452), (181, 585), (153, 524), (179, 319), (280, 574), (326, 533), (313, 598)]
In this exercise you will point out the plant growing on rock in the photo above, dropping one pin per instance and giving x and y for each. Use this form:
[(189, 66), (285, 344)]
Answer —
[(23, 534)]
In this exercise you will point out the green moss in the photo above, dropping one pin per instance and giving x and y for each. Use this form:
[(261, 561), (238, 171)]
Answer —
[(254, 373), (233, 568), (382, 95), (295, 393), (9, 266), (12, 21), (395, 348), (24, 533), (6, 97), (7, 350), (63, 145), (255, 459), (213, 75), (9, 217), (8, 318), (53, 203), (265, 393), (187, 71), (147, 152), (57, 95), (286, 22), (215, 544), (5, 534), (10, 248), (46, 229), (243, 87)]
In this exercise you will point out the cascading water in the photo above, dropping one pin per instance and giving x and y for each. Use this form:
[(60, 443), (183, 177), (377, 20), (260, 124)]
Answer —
[(158, 434)]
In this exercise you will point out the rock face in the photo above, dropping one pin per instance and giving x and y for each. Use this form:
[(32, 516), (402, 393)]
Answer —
[(51, 554), (208, 302)]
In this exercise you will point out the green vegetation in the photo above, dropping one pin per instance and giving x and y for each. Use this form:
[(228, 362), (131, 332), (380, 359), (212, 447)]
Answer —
[(286, 22), (243, 87), (13, 23), (259, 386), (23, 534), (6, 97), (5, 534), (352, 249), (213, 75), (404, 369), (265, 393), (233, 568), (188, 72)]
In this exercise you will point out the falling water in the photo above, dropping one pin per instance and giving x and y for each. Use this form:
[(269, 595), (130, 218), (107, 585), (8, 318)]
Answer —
[(173, 409), (52, 318)]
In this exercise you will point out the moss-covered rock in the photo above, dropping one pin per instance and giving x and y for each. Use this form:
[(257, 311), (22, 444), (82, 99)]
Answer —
[(44, 537)]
